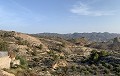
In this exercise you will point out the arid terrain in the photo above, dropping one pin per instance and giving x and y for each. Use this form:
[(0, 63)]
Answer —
[(60, 56)]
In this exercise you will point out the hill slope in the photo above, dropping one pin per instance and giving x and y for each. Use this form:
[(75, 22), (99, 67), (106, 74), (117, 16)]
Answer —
[(47, 56)]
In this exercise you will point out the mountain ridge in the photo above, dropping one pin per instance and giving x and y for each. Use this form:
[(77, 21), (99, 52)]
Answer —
[(94, 36)]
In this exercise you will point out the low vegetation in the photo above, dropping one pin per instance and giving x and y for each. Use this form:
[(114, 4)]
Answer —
[(3, 46)]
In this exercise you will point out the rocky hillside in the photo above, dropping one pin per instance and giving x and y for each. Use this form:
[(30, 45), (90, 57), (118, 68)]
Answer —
[(48, 56)]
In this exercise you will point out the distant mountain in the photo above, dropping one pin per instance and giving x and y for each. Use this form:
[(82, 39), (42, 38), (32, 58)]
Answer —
[(90, 36), (113, 44)]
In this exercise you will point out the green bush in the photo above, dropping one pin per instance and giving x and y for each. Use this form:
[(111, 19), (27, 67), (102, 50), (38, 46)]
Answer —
[(117, 69), (73, 68), (8, 34), (23, 62), (110, 67), (40, 46), (96, 56), (3, 46), (18, 38), (103, 53), (106, 71), (25, 42), (34, 53)]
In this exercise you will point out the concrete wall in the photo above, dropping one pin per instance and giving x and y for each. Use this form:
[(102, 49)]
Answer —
[(5, 62)]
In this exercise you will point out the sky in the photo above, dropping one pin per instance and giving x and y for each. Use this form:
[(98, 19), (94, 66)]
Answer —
[(60, 16)]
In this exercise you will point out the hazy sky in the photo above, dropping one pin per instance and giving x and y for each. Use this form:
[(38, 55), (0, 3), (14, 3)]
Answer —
[(60, 16)]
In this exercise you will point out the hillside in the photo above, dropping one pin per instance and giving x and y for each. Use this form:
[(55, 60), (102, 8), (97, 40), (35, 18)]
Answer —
[(48, 56)]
